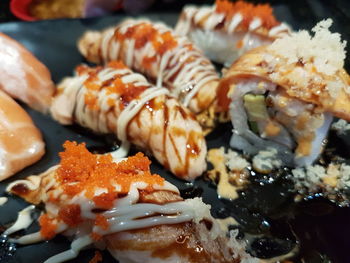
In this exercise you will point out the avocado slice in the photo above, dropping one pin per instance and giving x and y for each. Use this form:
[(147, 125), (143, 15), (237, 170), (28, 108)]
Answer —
[(255, 107)]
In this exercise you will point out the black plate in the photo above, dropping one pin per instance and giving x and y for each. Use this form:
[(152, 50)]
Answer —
[(265, 209)]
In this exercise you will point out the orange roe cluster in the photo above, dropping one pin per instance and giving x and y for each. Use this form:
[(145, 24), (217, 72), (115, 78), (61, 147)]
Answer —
[(126, 91), (97, 257), (144, 33), (95, 236), (47, 226), (70, 214), (102, 222), (248, 11), (81, 170)]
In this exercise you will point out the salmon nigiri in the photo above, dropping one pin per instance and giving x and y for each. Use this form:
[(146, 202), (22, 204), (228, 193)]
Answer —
[(120, 204), (21, 143), (23, 76)]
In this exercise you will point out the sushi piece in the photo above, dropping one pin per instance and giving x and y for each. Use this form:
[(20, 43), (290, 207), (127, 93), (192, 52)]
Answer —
[(113, 99), (21, 143), (23, 76), (228, 29), (284, 95), (154, 50), (138, 215)]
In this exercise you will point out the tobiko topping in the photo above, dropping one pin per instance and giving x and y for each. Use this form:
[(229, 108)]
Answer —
[(126, 91), (81, 170), (248, 11), (98, 178)]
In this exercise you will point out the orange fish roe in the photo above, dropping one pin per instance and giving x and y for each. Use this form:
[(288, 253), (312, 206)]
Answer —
[(97, 258), (102, 222), (144, 33), (127, 92), (132, 92), (115, 85), (167, 42), (70, 214), (117, 65), (110, 102), (265, 13), (248, 11), (81, 170), (82, 69), (91, 101), (92, 86), (47, 227), (53, 198), (147, 62), (105, 200), (95, 236)]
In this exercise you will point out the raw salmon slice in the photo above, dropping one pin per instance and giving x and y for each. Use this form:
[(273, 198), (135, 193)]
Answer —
[(21, 143), (23, 76)]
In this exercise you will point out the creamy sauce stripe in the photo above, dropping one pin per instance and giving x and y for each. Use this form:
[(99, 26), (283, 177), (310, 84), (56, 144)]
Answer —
[(3, 200), (173, 64), (23, 221), (97, 120), (127, 214), (192, 17), (129, 113)]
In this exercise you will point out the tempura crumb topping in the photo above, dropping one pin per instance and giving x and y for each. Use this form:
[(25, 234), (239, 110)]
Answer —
[(325, 49)]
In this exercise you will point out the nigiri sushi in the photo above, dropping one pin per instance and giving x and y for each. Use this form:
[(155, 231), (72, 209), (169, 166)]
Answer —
[(23, 76), (21, 143), (228, 29), (284, 95), (157, 52), (113, 99), (137, 215)]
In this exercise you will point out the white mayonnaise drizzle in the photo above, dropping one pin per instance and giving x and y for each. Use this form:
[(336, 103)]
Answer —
[(183, 26), (220, 37), (235, 21), (23, 221), (202, 13), (109, 34), (28, 239), (134, 107), (277, 30), (191, 76), (130, 51), (127, 215), (195, 16), (213, 21), (73, 252), (98, 121), (129, 113), (255, 24), (3, 200)]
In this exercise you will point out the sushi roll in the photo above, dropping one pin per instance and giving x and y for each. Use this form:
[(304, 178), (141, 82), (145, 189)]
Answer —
[(120, 205), (284, 95), (228, 29), (113, 99), (154, 50)]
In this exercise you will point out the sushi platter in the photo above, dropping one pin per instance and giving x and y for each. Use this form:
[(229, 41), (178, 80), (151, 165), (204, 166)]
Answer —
[(217, 134)]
